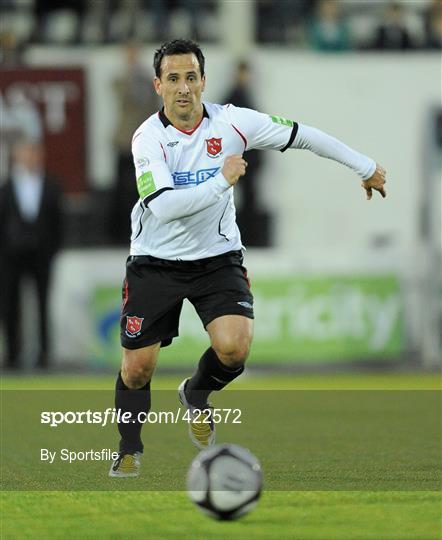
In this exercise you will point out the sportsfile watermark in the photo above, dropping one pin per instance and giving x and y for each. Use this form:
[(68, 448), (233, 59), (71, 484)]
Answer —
[(117, 416), (55, 440)]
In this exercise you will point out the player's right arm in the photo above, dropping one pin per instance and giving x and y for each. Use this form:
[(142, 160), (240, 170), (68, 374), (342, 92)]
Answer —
[(156, 188)]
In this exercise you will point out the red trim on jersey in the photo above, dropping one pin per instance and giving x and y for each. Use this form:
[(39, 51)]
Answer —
[(164, 153), (244, 140), (136, 135), (190, 131)]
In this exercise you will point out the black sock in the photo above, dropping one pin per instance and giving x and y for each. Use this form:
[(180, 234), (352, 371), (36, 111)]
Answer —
[(211, 375), (133, 401)]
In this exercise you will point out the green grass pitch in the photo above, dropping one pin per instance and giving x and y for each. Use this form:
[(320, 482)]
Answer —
[(325, 515)]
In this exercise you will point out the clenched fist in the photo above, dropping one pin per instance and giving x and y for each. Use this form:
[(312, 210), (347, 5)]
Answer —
[(234, 167), (375, 182)]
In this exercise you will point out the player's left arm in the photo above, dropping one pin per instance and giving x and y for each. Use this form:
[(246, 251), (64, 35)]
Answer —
[(270, 132), (375, 182), (324, 145)]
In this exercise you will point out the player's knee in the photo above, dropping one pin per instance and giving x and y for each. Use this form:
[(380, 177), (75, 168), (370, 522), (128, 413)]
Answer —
[(233, 352), (137, 369), (135, 376)]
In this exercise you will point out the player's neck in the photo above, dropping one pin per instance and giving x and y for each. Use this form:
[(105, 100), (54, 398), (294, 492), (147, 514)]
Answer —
[(184, 123)]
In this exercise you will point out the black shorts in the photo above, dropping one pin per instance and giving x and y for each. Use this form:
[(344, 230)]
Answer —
[(154, 290)]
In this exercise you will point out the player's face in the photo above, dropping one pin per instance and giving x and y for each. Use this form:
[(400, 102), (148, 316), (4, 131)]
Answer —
[(181, 86)]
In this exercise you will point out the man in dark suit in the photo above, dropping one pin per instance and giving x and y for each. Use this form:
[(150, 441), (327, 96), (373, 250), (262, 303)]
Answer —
[(254, 221), (30, 235)]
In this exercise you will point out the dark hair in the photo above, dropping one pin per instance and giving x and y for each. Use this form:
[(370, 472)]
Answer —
[(177, 46)]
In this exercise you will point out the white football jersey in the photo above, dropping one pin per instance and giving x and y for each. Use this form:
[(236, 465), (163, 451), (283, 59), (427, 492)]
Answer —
[(167, 158)]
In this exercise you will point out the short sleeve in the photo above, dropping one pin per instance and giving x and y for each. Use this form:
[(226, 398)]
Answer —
[(151, 170), (263, 131)]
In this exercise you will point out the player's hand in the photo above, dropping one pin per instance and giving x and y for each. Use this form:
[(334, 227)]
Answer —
[(375, 182), (234, 167)]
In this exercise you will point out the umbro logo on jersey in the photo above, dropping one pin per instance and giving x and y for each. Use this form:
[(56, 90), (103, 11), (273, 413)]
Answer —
[(172, 144), (213, 146), (245, 304)]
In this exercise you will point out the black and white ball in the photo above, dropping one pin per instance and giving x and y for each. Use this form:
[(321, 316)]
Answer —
[(225, 481)]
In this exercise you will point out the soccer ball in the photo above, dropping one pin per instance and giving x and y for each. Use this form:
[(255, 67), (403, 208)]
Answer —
[(225, 481)]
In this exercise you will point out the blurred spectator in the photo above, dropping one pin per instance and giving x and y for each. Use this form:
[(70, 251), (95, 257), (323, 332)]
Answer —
[(159, 20), (10, 50), (254, 223), (328, 30), (433, 25), (58, 21), (198, 12), (30, 236), (240, 93), (392, 34), (136, 102), (278, 22), (19, 116), (190, 18)]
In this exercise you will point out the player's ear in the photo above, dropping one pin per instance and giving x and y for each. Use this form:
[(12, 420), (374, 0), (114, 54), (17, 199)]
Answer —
[(157, 85), (203, 78)]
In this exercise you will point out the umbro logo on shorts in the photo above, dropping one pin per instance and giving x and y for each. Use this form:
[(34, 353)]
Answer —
[(245, 304), (133, 326)]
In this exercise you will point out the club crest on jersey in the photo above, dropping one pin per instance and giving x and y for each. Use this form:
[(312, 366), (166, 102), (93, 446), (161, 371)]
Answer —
[(133, 325), (213, 146)]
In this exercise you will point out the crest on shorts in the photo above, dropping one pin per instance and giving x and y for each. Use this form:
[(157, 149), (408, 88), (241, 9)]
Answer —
[(133, 325), (214, 146)]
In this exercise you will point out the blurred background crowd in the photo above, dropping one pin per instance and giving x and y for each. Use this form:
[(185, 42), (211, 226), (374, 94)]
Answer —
[(325, 25), (75, 82)]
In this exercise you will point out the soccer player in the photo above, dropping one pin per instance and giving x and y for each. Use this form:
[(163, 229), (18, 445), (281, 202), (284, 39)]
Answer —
[(185, 242)]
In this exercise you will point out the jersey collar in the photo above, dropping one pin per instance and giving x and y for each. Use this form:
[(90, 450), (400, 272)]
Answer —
[(166, 122)]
